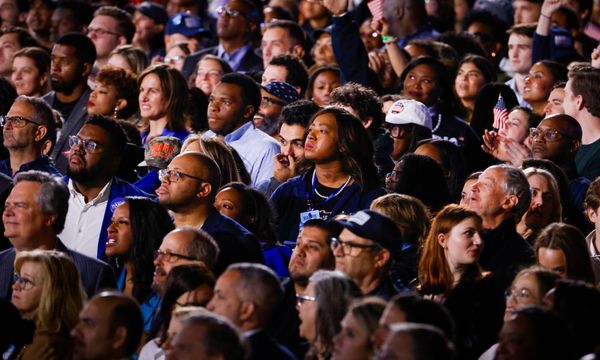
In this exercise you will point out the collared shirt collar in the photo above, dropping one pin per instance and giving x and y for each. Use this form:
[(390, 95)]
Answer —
[(235, 57), (239, 132), (102, 195)]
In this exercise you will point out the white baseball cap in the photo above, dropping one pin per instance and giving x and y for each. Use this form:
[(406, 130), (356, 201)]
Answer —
[(407, 111)]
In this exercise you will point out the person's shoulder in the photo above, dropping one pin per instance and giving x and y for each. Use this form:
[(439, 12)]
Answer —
[(10, 252), (87, 261), (129, 189)]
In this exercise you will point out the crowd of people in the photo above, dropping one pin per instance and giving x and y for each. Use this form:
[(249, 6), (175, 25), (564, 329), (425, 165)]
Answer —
[(300, 179)]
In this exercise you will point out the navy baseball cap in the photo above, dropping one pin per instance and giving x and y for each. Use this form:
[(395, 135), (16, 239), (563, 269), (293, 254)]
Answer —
[(154, 11), (186, 24), (372, 226)]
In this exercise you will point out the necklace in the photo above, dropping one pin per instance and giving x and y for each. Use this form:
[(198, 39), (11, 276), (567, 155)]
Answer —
[(336, 193), (438, 123)]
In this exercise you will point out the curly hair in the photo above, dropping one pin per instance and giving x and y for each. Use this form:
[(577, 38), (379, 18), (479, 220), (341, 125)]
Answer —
[(126, 84)]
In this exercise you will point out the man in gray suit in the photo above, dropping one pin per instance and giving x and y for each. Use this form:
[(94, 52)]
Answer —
[(34, 213), (73, 57)]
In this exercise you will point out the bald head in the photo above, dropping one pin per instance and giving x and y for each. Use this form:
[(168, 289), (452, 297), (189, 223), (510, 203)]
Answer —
[(205, 168)]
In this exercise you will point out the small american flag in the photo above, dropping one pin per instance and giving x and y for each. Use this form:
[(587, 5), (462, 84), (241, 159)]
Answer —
[(500, 114), (376, 8)]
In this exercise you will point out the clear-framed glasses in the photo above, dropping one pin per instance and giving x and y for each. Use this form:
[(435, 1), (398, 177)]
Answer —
[(222, 10), (520, 295), (15, 121), (550, 134), (170, 257), (301, 299), (23, 283), (101, 32), (90, 146), (175, 175), (351, 248)]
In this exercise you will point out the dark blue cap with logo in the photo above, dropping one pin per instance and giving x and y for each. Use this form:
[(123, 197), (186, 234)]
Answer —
[(186, 24), (373, 226)]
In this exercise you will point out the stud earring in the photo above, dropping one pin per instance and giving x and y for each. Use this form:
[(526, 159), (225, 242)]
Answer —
[(115, 113)]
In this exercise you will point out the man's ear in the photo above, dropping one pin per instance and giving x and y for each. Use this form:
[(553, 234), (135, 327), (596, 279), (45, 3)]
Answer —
[(122, 40), (249, 112), (119, 338), (510, 202), (298, 50), (86, 69), (592, 215), (247, 311), (579, 102), (575, 144), (40, 132), (205, 190), (382, 258)]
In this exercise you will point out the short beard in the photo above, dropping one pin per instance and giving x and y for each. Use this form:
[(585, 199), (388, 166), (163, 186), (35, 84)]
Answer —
[(299, 280)]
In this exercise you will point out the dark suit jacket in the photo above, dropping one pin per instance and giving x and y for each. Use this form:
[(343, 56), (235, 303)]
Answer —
[(262, 346), (250, 62), (95, 274), (71, 126), (236, 243)]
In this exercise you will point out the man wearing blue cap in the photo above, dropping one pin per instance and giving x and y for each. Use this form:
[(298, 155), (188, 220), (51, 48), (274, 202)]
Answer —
[(150, 20), (274, 96), (237, 23), (184, 27), (364, 250)]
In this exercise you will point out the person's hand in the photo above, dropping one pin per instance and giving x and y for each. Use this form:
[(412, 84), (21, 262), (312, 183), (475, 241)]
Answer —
[(284, 167), (376, 61), (550, 6), (336, 7), (491, 142), (516, 152), (381, 26), (596, 57)]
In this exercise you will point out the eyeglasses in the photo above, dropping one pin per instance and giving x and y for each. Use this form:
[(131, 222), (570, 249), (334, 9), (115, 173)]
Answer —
[(222, 10), (175, 176), (550, 134), (171, 257), (351, 248), (24, 284), (173, 59), (520, 296), (266, 101), (15, 121), (100, 32), (393, 176), (301, 299), (396, 131), (90, 146)]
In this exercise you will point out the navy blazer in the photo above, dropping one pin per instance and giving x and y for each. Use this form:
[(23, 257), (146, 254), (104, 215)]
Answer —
[(250, 62), (118, 191), (71, 126), (262, 346), (236, 243), (95, 274)]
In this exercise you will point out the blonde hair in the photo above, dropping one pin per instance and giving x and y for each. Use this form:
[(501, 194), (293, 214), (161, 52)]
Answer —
[(218, 151), (62, 293), (408, 213)]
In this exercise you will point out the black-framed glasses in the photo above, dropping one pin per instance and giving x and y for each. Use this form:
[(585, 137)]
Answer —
[(175, 175), (23, 283), (222, 10), (520, 295), (351, 248), (101, 32), (16, 121), (170, 257), (396, 130), (90, 146), (550, 134), (301, 299), (266, 101)]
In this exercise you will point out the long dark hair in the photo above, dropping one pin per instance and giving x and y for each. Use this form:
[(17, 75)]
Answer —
[(354, 146), (446, 99), (150, 222)]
